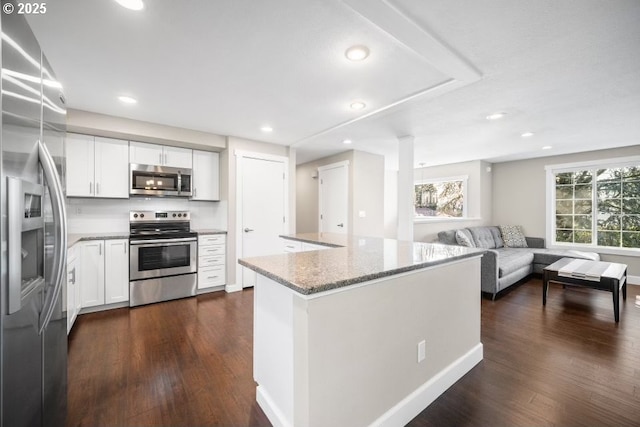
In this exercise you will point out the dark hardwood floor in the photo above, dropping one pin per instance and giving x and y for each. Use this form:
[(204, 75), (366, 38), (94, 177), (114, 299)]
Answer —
[(189, 363)]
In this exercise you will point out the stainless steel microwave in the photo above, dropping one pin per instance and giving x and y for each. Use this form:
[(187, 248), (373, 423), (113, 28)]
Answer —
[(149, 180)]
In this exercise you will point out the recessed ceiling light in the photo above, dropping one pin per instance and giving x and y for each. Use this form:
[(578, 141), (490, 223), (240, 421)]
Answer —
[(131, 4), (547, 147), (526, 134), (266, 129), (496, 116), (357, 53), (357, 105), (127, 100), (346, 141)]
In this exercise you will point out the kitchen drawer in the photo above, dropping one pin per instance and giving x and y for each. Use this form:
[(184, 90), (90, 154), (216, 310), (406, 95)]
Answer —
[(291, 245), (208, 261), (211, 239), (207, 251), (211, 276)]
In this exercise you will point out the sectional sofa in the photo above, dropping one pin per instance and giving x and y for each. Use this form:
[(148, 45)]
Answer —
[(502, 266)]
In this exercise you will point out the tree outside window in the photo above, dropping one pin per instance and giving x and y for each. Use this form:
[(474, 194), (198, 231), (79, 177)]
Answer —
[(598, 206), (444, 199)]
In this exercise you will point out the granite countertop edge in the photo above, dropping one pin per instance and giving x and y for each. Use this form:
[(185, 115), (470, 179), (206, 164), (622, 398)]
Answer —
[(309, 240), (360, 279), (73, 238)]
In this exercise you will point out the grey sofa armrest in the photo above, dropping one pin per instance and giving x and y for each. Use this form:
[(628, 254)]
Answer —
[(535, 242), (489, 272)]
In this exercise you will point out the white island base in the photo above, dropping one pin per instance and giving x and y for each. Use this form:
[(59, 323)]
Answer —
[(349, 356)]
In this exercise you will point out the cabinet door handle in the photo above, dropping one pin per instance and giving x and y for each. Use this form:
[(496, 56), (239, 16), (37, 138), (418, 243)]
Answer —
[(125, 248), (99, 248), (341, 225), (165, 158), (212, 277), (90, 187), (160, 157), (97, 188), (195, 192)]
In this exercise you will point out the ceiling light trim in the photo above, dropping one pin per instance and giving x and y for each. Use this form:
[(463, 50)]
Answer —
[(131, 4)]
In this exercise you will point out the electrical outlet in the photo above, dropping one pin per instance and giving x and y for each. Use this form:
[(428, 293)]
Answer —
[(422, 350)]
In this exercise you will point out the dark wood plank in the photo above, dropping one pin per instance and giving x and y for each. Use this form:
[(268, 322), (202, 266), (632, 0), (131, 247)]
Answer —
[(189, 362)]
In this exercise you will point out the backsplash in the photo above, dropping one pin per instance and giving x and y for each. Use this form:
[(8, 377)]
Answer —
[(112, 215)]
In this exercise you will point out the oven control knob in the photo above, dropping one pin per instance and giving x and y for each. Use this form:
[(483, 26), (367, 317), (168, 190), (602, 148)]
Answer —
[(179, 215), (141, 215), (174, 215), (135, 215)]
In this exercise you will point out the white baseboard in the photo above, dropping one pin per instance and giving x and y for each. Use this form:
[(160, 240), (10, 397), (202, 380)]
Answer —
[(633, 280), (405, 410), (272, 412), (233, 288)]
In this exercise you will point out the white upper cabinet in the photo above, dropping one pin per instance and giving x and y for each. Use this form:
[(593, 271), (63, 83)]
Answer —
[(161, 155), (80, 165), (112, 168), (97, 167), (177, 157), (206, 175)]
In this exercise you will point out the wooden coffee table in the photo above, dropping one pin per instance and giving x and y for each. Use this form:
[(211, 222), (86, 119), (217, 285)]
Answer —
[(605, 276)]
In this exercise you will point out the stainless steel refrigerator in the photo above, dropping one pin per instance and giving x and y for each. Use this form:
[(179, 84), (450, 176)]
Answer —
[(33, 340)]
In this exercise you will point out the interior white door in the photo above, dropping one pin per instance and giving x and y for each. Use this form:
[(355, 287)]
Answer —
[(263, 210), (334, 184)]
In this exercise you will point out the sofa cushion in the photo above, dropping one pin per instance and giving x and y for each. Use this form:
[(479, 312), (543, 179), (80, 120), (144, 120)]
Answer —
[(447, 237), (464, 238), (483, 237), (497, 236), (510, 260), (513, 236)]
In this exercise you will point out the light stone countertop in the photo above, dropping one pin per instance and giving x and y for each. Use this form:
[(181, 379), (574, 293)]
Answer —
[(352, 260), (205, 231), (74, 238)]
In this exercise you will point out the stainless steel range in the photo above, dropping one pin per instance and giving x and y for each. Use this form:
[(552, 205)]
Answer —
[(163, 256)]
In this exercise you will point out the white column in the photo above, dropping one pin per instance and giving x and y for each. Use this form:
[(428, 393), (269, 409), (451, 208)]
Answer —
[(405, 188)]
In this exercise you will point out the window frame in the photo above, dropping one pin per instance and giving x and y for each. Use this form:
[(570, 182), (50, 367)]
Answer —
[(465, 199), (551, 171)]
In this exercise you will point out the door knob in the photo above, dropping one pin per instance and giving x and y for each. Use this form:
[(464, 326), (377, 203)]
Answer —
[(246, 230), (341, 225)]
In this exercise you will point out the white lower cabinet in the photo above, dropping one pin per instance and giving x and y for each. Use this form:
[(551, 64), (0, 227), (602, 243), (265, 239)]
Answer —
[(116, 272), (211, 261), (104, 272), (289, 245), (74, 303), (91, 273)]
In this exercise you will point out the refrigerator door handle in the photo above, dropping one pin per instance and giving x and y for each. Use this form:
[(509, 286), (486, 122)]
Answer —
[(60, 219)]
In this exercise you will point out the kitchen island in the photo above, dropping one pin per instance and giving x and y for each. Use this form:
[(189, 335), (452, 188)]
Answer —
[(369, 332)]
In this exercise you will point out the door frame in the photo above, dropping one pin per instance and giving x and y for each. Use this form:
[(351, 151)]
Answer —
[(345, 164), (240, 156)]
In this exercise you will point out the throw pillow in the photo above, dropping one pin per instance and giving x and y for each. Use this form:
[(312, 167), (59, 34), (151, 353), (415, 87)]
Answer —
[(513, 236), (463, 237)]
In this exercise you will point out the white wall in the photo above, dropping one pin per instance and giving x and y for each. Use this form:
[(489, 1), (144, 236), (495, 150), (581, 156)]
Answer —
[(391, 204), (479, 196), (519, 193), (365, 193)]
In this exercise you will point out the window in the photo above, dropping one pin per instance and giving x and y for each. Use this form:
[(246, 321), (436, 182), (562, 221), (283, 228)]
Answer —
[(596, 204), (440, 198)]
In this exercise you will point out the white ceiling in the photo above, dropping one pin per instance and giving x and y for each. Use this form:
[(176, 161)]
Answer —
[(567, 70)]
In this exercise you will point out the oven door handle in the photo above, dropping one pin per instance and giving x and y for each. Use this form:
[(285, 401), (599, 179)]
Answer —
[(156, 242)]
